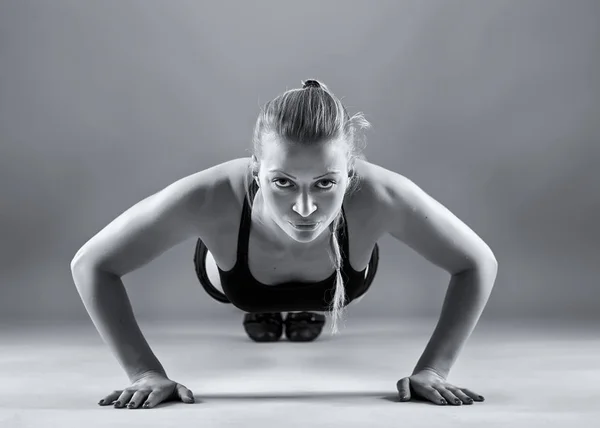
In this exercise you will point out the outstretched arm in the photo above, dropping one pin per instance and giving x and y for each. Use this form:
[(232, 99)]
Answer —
[(132, 240), (426, 226)]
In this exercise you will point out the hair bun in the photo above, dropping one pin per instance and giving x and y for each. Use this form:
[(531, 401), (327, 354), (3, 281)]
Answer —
[(311, 84)]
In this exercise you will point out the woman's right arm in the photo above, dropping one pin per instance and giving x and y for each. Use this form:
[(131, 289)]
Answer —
[(106, 301), (180, 211)]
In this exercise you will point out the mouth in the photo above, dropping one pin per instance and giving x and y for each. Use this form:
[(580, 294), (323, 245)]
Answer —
[(310, 226)]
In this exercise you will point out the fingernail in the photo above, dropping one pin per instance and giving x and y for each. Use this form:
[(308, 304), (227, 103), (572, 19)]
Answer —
[(131, 404), (469, 400), (101, 402), (146, 405), (443, 401), (118, 404), (481, 398), (457, 401)]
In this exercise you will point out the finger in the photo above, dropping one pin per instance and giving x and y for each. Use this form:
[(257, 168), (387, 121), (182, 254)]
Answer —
[(108, 400), (154, 398), (473, 395), (403, 387), (433, 395), (461, 395), (185, 394), (124, 398), (138, 398), (449, 396)]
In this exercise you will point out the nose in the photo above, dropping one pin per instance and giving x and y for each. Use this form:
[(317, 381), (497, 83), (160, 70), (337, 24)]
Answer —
[(304, 205)]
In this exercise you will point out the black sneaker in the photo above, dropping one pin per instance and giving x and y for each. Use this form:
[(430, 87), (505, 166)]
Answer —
[(263, 326), (303, 326)]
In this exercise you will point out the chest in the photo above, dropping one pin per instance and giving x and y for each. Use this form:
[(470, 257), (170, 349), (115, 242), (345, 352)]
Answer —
[(276, 267)]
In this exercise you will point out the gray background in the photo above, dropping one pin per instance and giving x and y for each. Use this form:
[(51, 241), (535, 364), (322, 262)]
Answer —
[(491, 107)]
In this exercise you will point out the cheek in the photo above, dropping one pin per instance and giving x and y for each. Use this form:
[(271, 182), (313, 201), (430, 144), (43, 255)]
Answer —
[(275, 204)]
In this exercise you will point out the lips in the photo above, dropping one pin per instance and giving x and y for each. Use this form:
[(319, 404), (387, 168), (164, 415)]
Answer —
[(304, 225)]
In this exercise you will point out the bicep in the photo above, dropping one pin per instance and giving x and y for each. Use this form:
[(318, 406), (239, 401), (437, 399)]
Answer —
[(432, 230), (150, 227)]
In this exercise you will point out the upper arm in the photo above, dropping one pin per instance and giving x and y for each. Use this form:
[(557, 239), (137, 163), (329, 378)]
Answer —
[(182, 210), (425, 225)]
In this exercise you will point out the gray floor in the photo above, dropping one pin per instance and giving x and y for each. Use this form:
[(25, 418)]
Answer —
[(532, 375)]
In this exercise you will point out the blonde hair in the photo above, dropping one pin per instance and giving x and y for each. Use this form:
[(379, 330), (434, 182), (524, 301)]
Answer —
[(313, 115)]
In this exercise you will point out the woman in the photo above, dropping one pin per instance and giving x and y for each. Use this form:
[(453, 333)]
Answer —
[(275, 224)]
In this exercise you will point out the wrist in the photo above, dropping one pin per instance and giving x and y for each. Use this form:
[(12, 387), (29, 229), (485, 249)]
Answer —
[(438, 372), (140, 374)]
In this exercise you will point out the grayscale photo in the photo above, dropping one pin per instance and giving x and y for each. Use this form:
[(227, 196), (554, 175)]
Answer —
[(334, 213)]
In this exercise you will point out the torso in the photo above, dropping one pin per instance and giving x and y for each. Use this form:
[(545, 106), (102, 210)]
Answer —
[(271, 267)]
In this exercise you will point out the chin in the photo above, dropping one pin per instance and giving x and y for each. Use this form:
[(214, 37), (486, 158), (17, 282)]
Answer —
[(304, 236)]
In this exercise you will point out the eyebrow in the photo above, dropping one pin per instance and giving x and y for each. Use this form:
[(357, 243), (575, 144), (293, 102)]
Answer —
[(333, 171)]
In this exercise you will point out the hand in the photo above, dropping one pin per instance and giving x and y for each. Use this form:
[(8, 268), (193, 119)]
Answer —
[(150, 389), (431, 386)]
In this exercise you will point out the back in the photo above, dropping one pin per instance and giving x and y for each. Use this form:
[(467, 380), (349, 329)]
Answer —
[(189, 207)]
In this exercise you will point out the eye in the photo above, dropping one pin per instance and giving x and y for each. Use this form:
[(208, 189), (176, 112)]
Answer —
[(320, 181), (328, 181)]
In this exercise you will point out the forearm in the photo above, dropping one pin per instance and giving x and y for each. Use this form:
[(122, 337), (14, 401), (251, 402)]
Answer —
[(467, 295), (104, 297)]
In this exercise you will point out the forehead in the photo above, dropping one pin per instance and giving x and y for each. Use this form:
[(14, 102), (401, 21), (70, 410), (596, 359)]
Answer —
[(291, 157)]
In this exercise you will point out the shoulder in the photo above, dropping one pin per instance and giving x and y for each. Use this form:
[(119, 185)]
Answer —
[(376, 190), (209, 192), (377, 184)]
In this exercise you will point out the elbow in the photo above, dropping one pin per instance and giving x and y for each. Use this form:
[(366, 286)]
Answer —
[(487, 264), (486, 260), (81, 263), (76, 263), (488, 269)]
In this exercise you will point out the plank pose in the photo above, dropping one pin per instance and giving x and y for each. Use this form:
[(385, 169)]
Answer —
[(293, 228)]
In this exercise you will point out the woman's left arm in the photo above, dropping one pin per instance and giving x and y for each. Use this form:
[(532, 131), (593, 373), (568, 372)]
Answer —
[(425, 225), (466, 297)]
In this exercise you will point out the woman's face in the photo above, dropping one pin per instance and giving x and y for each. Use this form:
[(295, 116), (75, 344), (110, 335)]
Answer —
[(300, 184)]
